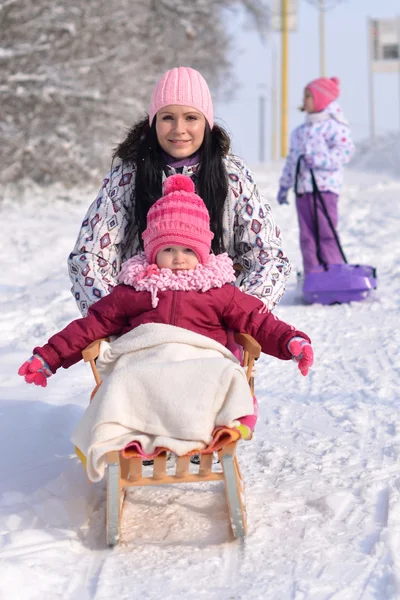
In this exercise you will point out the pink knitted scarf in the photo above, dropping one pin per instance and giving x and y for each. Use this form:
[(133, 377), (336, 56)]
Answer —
[(142, 276)]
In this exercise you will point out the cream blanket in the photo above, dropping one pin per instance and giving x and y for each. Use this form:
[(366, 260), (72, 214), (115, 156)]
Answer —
[(163, 386)]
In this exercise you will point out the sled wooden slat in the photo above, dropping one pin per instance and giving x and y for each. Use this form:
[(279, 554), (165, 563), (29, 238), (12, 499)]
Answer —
[(124, 465), (252, 351), (113, 457), (250, 345), (205, 464), (182, 466), (135, 468), (168, 479), (89, 354), (160, 466)]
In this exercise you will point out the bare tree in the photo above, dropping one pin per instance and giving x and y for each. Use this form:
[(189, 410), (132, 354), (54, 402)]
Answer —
[(75, 75)]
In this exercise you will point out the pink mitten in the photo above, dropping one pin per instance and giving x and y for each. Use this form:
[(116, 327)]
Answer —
[(302, 353), (35, 370)]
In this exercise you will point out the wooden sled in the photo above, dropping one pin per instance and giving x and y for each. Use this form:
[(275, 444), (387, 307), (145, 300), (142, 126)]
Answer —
[(122, 473)]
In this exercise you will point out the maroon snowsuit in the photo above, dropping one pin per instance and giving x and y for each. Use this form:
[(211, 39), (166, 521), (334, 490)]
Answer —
[(209, 313)]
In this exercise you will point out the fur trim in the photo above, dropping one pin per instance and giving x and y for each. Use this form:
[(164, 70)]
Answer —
[(332, 111), (142, 276)]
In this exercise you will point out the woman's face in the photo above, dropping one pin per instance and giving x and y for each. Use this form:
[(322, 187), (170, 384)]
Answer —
[(180, 130), (308, 101)]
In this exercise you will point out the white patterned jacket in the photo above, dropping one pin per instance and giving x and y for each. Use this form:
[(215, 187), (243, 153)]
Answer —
[(327, 138), (108, 237)]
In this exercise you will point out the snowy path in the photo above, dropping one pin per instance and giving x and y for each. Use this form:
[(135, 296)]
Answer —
[(322, 475)]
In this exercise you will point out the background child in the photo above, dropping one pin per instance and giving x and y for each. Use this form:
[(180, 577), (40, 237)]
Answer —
[(324, 141)]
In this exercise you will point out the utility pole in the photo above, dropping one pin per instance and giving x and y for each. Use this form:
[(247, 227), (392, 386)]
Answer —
[(322, 38), (323, 6), (284, 76), (371, 82), (398, 56), (274, 107), (261, 151)]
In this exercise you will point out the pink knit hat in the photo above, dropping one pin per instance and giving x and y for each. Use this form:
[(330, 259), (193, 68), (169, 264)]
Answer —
[(179, 218), (324, 91), (185, 87)]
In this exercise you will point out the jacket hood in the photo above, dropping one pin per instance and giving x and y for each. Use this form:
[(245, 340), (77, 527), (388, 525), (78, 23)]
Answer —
[(332, 111)]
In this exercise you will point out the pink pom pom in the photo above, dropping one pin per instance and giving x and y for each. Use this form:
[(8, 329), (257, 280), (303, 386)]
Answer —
[(178, 183), (336, 80)]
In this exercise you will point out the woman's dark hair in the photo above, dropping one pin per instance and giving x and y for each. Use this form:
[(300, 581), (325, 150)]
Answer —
[(141, 149)]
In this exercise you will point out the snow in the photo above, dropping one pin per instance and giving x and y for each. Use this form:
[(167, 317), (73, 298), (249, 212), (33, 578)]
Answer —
[(380, 156), (321, 473)]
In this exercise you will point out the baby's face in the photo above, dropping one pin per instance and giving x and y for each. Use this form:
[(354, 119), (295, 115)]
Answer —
[(176, 258)]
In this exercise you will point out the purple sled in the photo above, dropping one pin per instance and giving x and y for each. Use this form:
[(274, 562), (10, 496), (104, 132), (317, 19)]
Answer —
[(338, 284)]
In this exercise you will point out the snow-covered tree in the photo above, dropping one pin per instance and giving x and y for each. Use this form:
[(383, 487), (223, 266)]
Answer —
[(75, 74)]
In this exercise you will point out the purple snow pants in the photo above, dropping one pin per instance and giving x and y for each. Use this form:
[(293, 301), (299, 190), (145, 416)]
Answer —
[(328, 248)]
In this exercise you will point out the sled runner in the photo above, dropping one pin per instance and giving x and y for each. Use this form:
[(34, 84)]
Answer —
[(125, 468), (334, 283)]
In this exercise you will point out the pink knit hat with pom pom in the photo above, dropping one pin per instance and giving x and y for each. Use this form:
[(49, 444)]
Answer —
[(182, 86), (179, 218), (324, 91)]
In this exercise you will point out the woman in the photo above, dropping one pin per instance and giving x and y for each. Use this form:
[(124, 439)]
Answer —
[(178, 136)]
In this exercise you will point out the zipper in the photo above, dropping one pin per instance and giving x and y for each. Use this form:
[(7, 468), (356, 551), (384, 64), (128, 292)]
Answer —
[(173, 309)]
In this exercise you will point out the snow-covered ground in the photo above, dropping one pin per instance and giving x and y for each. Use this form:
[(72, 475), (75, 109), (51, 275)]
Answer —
[(322, 471)]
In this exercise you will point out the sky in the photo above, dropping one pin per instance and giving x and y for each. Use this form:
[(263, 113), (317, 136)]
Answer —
[(346, 57), (321, 472)]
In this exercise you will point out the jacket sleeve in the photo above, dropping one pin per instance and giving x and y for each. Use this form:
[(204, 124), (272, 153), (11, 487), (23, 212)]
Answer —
[(106, 317), (339, 149), (246, 314), (258, 244), (96, 258), (289, 170)]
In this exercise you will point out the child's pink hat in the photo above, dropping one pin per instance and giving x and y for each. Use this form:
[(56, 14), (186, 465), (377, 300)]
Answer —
[(179, 218), (185, 87), (324, 91)]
